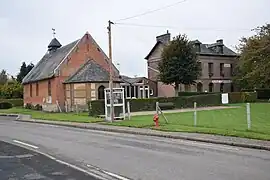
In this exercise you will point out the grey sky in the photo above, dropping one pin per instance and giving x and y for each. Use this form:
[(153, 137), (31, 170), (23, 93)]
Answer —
[(25, 26)]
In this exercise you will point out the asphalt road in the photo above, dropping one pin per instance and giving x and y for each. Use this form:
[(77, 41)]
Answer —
[(141, 157), (17, 163)]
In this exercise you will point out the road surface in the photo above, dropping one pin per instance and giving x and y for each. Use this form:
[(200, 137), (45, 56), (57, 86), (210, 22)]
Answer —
[(18, 163), (141, 157)]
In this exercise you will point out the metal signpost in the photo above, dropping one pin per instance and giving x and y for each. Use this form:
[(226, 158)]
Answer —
[(118, 104)]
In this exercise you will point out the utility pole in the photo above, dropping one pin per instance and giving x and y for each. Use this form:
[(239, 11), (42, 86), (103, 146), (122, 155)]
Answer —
[(111, 72)]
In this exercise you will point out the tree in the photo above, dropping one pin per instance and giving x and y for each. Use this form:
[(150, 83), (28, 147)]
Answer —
[(3, 77), (179, 63), (253, 66), (24, 70)]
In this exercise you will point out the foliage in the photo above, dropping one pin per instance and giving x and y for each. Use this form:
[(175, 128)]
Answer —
[(179, 63), (263, 93), (24, 70), (11, 90), (252, 70), (28, 106), (38, 107), (14, 102), (192, 93), (241, 97), (3, 77), (5, 105), (204, 100)]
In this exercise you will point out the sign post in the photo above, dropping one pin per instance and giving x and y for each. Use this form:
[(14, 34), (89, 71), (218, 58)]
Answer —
[(195, 114), (248, 116)]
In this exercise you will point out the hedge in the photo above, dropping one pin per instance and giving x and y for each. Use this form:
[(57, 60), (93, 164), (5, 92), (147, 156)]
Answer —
[(5, 105), (192, 93), (261, 93), (14, 102), (241, 97), (97, 107)]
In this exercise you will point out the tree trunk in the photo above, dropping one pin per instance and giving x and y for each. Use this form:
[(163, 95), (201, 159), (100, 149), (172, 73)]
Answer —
[(176, 89)]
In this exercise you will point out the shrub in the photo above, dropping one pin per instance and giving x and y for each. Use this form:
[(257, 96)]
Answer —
[(192, 93), (96, 107), (14, 102), (38, 107), (263, 93), (28, 106), (240, 97), (5, 105)]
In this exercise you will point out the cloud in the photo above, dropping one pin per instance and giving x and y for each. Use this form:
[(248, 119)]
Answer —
[(25, 26)]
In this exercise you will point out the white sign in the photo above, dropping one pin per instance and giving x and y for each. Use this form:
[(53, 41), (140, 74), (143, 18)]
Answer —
[(225, 98), (227, 65), (221, 81)]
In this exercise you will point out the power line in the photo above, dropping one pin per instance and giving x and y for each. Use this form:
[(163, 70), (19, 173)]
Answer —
[(151, 11), (175, 27)]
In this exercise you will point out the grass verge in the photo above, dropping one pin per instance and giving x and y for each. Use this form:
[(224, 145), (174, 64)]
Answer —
[(69, 117), (228, 122)]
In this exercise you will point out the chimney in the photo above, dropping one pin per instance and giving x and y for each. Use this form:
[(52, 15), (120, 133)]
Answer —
[(220, 46), (197, 44), (164, 38)]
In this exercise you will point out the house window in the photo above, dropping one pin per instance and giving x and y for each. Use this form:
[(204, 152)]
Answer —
[(210, 69), (151, 92), (146, 92), (187, 88), (136, 91), (200, 67), (221, 87), (199, 87), (49, 88), (132, 91), (37, 89), (30, 90), (128, 91), (101, 94), (231, 70), (211, 85), (221, 69)]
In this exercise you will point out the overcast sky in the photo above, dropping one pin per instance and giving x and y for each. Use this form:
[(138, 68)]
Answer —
[(25, 26)]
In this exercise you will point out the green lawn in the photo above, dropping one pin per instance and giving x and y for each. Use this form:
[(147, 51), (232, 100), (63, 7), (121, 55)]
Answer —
[(71, 117), (230, 122)]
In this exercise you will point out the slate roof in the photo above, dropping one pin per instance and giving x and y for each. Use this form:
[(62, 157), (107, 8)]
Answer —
[(89, 72), (206, 49), (131, 80), (45, 67)]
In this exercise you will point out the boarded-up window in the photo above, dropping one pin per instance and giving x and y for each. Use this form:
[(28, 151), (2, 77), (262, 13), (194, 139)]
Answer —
[(79, 86), (80, 93), (80, 101)]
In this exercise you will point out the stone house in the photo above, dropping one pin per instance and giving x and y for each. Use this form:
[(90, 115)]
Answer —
[(217, 62), (69, 76)]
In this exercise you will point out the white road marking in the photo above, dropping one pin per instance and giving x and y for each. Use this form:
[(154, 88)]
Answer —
[(116, 176), (25, 144)]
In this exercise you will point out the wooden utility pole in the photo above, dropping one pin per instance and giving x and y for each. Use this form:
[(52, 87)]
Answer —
[(111, 72)]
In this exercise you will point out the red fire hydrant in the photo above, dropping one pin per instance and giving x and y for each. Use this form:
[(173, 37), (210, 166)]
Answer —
[(155, 119)]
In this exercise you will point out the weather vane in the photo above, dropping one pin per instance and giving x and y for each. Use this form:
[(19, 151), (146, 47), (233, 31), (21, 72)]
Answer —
[(53, 32)]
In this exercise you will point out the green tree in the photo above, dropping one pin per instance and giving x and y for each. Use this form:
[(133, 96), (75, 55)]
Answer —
[(179, 63), (253, 67), (3, 77), (24, 70)]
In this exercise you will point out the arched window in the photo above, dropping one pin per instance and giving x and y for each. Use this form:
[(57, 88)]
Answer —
[(221, 87), (211, 86), (101, 94), (199, 87)]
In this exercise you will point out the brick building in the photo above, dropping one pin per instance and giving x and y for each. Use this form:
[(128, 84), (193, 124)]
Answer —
[(69, 75), (217, 62)]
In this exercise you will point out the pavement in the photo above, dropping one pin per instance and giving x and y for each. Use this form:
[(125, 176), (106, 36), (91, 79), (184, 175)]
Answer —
[(18, 163), (133, 156)]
